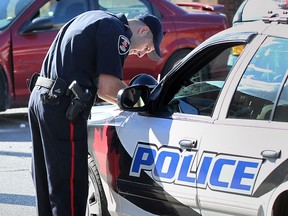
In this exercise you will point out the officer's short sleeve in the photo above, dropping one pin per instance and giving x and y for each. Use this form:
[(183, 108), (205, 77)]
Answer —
[(112, 47)]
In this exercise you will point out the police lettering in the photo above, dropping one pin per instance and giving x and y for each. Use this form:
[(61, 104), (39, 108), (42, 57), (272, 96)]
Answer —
[(219, 172)]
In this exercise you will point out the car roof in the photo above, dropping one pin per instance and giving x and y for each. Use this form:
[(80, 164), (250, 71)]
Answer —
[(238, 32), (252, 10), (273, 24)]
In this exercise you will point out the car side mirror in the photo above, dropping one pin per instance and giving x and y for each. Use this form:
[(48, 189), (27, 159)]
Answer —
[(39, 23), (134, 98)]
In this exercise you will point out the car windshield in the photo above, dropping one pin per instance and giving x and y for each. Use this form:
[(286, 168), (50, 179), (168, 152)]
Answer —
[(11, 9), (256, 9)]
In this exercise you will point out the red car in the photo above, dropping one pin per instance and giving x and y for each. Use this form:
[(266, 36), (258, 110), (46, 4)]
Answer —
[(27, 28)]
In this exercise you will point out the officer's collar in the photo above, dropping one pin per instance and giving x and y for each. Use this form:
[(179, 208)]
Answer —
[(123, 19)]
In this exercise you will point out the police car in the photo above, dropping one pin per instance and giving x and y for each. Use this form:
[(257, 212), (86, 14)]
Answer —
[(209, 139)]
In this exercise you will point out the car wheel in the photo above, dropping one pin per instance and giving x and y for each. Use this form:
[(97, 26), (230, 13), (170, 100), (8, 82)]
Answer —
[(96, 202), (173, 60), (3, 92), (280, 207)]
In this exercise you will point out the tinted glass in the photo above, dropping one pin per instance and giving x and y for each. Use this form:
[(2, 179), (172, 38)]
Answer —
[(11, 9), (281, 110), (261, 82), (64, 10), (130, 8)]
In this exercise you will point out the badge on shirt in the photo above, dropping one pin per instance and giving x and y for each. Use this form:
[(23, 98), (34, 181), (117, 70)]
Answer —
[(123, 45)]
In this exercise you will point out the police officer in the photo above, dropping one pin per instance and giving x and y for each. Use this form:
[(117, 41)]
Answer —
[(85, 60)]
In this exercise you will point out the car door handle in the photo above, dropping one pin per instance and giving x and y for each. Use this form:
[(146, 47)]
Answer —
[(188, 143), (271, 154)]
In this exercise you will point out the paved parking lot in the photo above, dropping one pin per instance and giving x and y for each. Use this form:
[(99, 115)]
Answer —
[(17, 194)]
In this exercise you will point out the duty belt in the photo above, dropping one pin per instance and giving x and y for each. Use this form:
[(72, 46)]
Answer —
[(59, 87), (44, 82)]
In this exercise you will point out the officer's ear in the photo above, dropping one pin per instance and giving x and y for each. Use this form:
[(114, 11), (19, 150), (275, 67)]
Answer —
[(143, 30)]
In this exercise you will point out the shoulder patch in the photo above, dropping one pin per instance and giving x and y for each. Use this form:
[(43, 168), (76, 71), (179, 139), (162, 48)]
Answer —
[(123, 45)]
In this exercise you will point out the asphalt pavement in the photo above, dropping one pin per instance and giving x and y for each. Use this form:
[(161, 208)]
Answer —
[(17, 193)]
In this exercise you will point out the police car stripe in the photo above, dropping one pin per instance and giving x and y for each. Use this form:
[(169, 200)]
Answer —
[(145, 195), (273, 180)]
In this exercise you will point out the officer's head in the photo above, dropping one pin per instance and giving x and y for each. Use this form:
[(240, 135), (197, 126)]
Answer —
[(147, 36)]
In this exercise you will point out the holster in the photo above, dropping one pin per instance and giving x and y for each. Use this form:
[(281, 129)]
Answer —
[(32, 81), (76, 108), (80, 100)]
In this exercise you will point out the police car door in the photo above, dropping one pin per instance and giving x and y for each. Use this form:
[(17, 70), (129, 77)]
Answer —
[(244, 151), (156, 177), (164, 147)]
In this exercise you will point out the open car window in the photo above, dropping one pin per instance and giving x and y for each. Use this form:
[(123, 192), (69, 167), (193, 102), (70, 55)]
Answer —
[(200, 90)]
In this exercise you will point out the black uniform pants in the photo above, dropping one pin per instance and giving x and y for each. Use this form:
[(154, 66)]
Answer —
[(59, 158)]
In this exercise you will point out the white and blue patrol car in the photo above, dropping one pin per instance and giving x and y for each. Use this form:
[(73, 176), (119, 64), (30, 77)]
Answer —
[(210, 139)]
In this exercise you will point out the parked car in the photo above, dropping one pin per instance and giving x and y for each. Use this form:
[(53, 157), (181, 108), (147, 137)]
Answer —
[(28, 27), (209, 139)]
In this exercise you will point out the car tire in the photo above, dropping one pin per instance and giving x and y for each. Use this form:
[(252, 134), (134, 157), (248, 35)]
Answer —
[(173, 60), (3, 91), (96, 202), (280, 207)]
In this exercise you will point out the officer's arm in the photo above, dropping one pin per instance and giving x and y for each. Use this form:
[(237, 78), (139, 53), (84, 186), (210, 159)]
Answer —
[(108, 87)]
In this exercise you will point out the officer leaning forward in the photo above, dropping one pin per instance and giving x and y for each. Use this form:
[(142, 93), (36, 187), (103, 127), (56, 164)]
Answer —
[(85, 60)]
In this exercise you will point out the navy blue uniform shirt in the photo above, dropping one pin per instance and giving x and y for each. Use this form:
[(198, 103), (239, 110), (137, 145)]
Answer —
[(94, 42)]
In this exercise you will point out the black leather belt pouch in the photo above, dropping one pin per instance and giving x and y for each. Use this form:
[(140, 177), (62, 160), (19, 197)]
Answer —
[(53, 96)]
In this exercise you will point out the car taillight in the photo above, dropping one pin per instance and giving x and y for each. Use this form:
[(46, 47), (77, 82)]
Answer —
[(237, 50)]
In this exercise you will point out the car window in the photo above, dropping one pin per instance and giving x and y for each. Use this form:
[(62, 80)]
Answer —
[(62, 11), (200, 91), (11, 9), (259, 87), (130, 8), (281, 110)]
